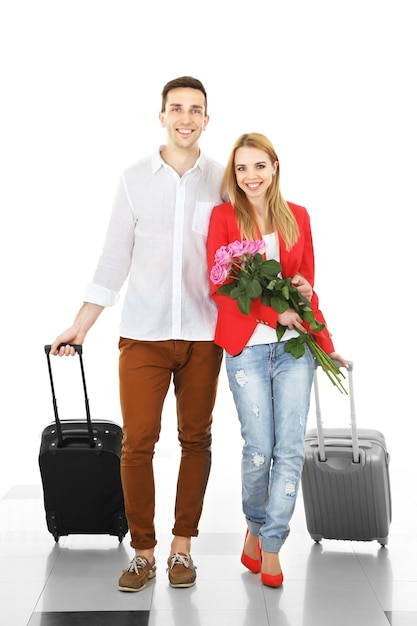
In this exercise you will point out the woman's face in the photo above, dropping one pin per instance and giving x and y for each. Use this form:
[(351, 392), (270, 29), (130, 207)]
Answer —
[(254, 171)]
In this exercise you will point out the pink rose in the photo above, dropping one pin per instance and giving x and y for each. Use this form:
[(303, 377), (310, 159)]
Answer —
[(246, 247), (253, 247), (218, 274), (237, 248), (222, 256)]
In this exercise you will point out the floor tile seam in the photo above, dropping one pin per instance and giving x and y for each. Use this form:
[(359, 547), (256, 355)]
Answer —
[(46, 581), (265, 590), (38, 600), (56, 559), (363, 570), (375, 594)]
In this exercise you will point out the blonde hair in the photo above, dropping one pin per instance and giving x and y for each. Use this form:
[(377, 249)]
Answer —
[(278, 212)]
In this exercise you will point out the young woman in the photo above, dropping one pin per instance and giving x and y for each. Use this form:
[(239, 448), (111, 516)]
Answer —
[(271, 388)]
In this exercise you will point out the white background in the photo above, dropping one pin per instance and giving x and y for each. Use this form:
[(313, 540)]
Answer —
[(332, 83)]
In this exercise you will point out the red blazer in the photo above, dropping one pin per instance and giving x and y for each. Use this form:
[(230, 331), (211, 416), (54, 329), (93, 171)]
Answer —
[(234, 329)]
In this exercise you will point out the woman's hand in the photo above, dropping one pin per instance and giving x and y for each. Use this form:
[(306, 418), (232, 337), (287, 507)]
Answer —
[(303, 286), (337, 357), (292, 320)]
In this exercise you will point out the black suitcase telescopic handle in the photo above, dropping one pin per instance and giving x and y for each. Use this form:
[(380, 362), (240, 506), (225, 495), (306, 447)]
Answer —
[(79, 350)]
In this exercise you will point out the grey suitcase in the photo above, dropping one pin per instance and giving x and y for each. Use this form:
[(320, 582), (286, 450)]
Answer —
[(345, 479)]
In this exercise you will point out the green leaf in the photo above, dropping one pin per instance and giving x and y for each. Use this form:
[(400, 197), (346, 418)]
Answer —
[(227, 288), (235, 293), (280, 330), (258, 260), (243, 279), (301, 298), (271, 268), (254, 289), (244, 303), (316, 326), (307, 314), (279, 304), (277, 284), (295, 347)]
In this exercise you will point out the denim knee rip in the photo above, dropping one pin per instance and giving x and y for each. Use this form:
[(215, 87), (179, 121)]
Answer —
[(258, 459), (290, 488), (241, 378)]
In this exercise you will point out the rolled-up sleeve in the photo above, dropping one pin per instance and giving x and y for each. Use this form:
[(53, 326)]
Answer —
[(96, 294)]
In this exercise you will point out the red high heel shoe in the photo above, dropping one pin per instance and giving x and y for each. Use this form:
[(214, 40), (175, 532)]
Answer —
[(272, 580), (254, 565)]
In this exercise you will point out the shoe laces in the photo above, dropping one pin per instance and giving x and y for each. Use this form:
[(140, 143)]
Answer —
[(136, 563), (179, 559)]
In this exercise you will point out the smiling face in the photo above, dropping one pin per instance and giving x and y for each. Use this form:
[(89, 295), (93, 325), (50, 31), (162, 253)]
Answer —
[(254, 171), (184, 117)]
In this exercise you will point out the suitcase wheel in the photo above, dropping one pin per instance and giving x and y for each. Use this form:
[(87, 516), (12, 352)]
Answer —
[(317, 538), (120, 525), (383, 541), (53, 524)]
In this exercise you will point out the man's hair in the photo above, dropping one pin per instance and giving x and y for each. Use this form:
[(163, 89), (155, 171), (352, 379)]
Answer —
[(183, 81)]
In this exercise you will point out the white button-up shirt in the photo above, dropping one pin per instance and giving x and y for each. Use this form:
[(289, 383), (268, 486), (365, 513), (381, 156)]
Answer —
[(156, 239)]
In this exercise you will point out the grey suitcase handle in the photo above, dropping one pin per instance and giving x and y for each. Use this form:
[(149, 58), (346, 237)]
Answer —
[(79, 350), (353, 425)]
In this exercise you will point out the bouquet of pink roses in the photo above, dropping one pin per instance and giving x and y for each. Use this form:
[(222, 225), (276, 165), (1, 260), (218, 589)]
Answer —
[(244, 275)]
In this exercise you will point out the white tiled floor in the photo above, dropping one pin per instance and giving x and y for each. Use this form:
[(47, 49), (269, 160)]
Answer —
[(331, 583)]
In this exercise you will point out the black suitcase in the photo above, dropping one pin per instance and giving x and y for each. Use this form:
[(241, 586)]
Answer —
[(79, 462), (345, 480)]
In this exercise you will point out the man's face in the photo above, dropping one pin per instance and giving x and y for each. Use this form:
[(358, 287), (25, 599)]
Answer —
[(184, 117)]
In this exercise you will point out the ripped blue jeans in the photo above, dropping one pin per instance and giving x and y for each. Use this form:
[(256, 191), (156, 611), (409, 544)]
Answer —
[(271, 390)]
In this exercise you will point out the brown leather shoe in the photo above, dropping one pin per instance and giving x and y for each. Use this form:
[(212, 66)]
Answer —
[(136, 576), (181, 570)]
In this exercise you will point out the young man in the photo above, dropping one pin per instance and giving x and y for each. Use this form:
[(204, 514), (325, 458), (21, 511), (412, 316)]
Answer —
[(156, 239)]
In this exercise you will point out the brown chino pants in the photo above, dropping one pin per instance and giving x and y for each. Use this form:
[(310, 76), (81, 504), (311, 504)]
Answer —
[(145, 372)]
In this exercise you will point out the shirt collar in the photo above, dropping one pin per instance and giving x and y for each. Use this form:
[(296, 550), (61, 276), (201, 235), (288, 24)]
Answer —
[(158, 161)]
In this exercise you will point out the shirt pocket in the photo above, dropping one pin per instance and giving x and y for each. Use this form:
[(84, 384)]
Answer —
[(202, 215)]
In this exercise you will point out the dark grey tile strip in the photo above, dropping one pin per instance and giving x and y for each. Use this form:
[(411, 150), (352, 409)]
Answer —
[(401, 618), (90, 618)]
